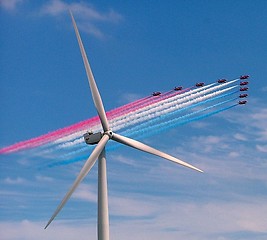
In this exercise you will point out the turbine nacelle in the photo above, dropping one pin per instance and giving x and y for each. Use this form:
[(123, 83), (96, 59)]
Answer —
[(93, 138)]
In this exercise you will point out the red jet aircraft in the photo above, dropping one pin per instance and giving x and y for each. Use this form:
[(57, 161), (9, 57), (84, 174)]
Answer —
[(243, 83), (242, 102), (244, 77), (178, 88), (201, 84), (243, 89), (156, 93), (222, 80), (243, 95)]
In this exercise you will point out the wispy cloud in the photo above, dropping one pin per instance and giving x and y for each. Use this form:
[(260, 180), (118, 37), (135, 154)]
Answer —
[(43, 178), (131, 206), (90, 19), (10, 5), (125, 160), (209, 143), (86, 192), (172, 220), (14, 181), (88, 16), (262, 148), (241, 137), (129, 97), (264, 89), (253, 122)]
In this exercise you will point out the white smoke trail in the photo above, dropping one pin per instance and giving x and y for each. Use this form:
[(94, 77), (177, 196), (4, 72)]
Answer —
[(185, 96), (160, 127), (167, 115), (153, 110), (166, 107), (160, 110), (154, 129), (63, 141)]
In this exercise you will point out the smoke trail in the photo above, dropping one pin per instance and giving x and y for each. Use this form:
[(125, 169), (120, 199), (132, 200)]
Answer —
[(146, 115), (151, 132), (115, 113), (140, 104), (165, 108), (143, 128), (57, 134), (147, 107), (135, 116), (158, 128), (71, 130), (79, 134), (166, 115)]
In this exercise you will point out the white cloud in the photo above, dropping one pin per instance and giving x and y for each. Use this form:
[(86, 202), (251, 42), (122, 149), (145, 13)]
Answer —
[(209, 143), (173, 220), (35, 230), (252, 120), (131, 206), (43, 178), (234, 154), (124, 159), (202, 124), (262, 148), (264, 89), (10, 5), (86, 14), (84, 10), (55, 7), (240, 136), (86, 192), (14, 181), (130, 97)]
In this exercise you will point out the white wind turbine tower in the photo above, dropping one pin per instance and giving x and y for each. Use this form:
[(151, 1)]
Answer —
[(101, 140)]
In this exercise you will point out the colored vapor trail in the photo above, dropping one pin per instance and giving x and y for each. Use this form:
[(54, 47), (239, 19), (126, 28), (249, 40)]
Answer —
[(141, 118), (83, 153), (155, 110), (147, 111), (161, 120)]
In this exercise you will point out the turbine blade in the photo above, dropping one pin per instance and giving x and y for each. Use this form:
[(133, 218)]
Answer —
[(143, 147), (94, 90), (84, 171)]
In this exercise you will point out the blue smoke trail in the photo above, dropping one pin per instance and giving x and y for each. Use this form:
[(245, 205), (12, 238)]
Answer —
[(158, 115), (150, 122), (156, 129), (147, 114), (171, 124), (168, 115)]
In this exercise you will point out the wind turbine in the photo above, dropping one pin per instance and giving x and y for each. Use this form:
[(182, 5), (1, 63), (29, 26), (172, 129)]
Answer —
[(99, 153)]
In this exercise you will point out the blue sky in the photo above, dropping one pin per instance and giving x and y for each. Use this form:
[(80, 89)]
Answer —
[(135, 48)]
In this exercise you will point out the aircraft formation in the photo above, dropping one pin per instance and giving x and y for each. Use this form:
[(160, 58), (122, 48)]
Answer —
[(223, 80)]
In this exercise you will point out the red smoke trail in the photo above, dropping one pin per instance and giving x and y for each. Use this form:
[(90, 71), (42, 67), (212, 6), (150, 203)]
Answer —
[(136, 105), (46, 138), (55, 135)]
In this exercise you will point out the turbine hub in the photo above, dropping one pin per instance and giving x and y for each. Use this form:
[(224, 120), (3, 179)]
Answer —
[(109, 133)]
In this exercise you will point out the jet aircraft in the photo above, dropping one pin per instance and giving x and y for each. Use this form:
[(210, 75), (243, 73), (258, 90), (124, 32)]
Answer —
[(244, 77), (178, 88), (222, 80), (243, 95), (243, 83), (243, 89), (201, 84), (156, 93)]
